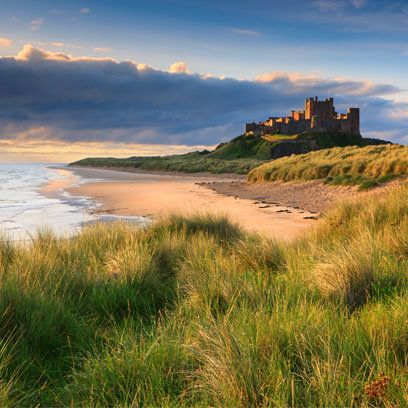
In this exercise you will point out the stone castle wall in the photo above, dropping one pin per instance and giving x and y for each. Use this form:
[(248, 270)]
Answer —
[(318, 115)]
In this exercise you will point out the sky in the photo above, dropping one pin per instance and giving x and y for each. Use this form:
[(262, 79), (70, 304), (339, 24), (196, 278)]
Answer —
[(151, 77)]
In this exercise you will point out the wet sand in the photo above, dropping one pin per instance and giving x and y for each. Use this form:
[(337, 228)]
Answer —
[(53, 188), (155, 196)]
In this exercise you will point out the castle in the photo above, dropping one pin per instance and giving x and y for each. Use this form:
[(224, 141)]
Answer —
[(317, 116)]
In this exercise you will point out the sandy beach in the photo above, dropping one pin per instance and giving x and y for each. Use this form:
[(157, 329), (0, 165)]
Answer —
[(155, 196), (278, 210)]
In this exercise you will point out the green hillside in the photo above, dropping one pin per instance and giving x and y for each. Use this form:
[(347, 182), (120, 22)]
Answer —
[(243, 147), (270, 146), (239, 156)]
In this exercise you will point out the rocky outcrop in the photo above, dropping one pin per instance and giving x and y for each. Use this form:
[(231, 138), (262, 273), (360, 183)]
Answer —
[(289, 147)]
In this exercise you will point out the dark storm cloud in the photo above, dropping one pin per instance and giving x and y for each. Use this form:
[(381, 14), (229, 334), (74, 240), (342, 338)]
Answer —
[(100, 99)]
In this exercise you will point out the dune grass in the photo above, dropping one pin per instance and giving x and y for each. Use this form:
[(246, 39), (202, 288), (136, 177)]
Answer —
[(195, 312), (366, 166)]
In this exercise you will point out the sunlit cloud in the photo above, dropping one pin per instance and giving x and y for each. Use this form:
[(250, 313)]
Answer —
[(294, 82), (102, 49), (58, 44), (30, 53), (179, 68), (36, 24), (400, 113), (84, 10), (5, 43)]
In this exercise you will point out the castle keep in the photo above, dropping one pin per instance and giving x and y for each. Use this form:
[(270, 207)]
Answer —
[(317, 116)]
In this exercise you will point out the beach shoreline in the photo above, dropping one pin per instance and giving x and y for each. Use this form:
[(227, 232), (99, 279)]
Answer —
[(277, 210), (155, 195), (128, 171)]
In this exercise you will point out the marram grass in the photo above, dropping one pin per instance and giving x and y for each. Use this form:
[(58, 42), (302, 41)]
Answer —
[(192, 312), (339, 165)]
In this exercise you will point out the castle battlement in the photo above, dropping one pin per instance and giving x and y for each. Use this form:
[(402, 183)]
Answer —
[(317, 116)]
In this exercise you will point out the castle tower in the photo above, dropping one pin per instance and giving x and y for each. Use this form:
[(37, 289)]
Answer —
[(309, 108), (325, 109), (353, 115)]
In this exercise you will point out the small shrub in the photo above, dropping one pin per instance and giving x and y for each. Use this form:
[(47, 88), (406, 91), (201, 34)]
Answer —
[(367, 184)]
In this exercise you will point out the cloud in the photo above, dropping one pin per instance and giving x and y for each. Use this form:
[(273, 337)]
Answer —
[(29, 53), (358, 3), (84, 10), (36, 24), (57, 12), (329, 5), (57, 44), (380, 16), (400, 113), (179, 68), (296, 82), (5, 43), (245, 32), (26, 149), (102, 49), (53, 96)]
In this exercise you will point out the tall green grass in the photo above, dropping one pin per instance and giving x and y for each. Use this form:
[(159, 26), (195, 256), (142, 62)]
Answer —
[(195, 312), (347, 165)]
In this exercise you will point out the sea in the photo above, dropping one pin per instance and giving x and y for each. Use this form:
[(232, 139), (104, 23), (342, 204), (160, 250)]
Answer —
[(25, 209)]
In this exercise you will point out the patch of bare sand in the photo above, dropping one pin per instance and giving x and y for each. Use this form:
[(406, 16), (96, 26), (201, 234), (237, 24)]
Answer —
[(313, 196), (158, 198)]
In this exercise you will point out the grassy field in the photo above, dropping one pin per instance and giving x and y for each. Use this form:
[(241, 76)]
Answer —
[(193, 312), (186, 163), (366, 166)]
